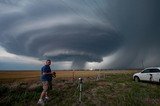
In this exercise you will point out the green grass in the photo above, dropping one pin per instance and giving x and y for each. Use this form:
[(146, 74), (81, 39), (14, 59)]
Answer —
[(114, 90)]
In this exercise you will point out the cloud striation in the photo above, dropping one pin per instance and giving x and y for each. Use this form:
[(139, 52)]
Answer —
[(83, 31)]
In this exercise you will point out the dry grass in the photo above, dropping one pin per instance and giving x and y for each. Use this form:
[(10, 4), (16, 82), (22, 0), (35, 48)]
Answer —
[(19, 74)]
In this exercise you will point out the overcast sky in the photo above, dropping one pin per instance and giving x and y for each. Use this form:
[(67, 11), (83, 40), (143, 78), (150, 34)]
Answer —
[(76, 34)]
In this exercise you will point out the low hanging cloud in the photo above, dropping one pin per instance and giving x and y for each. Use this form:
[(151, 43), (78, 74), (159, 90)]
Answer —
[(82, 31)]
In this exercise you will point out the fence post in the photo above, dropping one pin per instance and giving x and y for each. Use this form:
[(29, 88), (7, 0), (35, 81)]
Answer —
[(98, 75)]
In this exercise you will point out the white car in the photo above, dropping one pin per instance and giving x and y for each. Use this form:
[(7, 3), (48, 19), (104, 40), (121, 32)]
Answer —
[(149, 74)]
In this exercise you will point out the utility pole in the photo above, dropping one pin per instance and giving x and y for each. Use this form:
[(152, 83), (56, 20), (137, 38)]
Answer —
[(142, 64)]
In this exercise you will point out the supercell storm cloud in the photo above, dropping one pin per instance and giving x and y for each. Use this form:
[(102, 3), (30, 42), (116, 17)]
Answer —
[(83, 31)]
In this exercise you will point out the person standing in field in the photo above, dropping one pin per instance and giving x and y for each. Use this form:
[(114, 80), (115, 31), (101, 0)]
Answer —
[(46, 77)]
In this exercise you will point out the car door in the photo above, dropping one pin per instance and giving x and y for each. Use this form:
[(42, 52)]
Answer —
[(156, 75), (152, 73), (145, 75)]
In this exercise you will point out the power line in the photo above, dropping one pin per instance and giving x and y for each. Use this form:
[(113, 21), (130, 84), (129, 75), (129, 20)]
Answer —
[(72, 9), (97, 9)]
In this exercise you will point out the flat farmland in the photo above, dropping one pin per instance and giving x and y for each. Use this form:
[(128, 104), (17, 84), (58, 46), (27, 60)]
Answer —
[(10, 76)]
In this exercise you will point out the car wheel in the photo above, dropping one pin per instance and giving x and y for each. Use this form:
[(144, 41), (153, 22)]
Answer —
[(136, 79)]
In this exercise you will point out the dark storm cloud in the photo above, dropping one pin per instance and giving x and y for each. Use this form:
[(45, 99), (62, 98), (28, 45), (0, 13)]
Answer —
[(60, 30), (82, 31)]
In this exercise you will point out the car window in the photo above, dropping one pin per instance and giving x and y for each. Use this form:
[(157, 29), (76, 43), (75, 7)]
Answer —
[(154, 70), (146, 71)]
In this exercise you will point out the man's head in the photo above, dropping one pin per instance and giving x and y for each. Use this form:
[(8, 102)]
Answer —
[(48, 62)]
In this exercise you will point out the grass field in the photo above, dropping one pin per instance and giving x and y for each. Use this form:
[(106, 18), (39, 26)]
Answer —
[(114, 88)]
